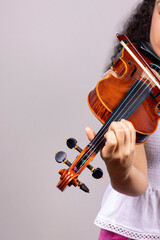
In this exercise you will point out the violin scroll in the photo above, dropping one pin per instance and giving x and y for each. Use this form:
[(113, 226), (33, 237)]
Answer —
[(70, 176)]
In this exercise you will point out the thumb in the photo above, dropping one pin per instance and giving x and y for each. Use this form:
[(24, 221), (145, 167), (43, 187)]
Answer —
[(90, 133)]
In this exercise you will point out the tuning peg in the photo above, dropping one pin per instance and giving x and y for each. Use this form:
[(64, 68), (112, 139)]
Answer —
[(97, 173), (72, 143), (62, 157)]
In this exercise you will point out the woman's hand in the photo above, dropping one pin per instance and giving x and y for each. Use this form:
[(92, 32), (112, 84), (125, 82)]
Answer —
[(119, 150), (126, 168)]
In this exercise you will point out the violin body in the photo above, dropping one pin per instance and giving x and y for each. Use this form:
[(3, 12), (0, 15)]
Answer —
[(130, 95), (110, 91)]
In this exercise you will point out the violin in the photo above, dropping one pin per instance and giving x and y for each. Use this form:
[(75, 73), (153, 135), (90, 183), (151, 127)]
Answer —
[(134, 95)]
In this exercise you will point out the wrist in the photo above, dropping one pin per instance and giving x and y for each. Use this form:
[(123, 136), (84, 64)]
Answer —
[(133, 183), (118, 175)]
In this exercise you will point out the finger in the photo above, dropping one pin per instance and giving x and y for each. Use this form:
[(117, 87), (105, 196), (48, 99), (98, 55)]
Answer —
[(90, 133), (118, 129), (132, 130), (110, 145), (127, 133)]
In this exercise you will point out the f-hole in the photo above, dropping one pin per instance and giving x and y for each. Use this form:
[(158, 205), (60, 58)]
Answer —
[(135, 69)]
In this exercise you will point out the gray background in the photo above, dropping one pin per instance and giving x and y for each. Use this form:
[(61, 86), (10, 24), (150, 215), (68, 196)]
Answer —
[(52, 54)]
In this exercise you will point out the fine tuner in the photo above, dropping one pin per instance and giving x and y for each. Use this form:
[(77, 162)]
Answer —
[(62, 157)]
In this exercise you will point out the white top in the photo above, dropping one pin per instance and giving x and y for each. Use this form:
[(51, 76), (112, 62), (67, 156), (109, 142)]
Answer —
[(135, 217)]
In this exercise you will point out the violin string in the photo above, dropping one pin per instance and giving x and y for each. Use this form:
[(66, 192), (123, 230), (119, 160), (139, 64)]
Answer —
[(150, 83), (99, 140), (91, 151), (132, 103)]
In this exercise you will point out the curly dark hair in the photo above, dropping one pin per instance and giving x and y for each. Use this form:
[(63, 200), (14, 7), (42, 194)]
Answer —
[(137, 28)]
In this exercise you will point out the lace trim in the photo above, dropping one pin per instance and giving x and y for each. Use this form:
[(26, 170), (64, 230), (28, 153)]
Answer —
[(125, 232)]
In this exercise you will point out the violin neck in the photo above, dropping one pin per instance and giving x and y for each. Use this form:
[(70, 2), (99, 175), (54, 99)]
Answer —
[(128, 105)]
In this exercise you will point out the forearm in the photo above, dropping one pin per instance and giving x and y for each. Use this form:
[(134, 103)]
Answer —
[(134, 184), (126, 163)]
